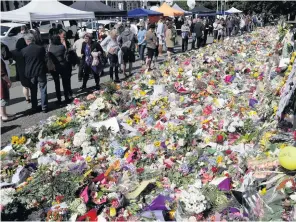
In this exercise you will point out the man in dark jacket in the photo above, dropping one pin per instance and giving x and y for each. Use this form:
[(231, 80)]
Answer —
[(199, 32), (127, 41), (35, 71)]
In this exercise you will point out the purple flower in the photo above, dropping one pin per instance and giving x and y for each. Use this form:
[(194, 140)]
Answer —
[(253, 102)]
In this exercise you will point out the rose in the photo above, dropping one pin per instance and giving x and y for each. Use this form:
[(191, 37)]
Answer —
[(219, 138)]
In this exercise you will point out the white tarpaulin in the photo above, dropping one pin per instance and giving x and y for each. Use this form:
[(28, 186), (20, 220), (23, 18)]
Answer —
[(233, 10), (45, 10)]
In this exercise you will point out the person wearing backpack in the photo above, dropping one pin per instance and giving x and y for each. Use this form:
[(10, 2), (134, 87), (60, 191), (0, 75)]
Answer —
[(127, 41), (57, 54)]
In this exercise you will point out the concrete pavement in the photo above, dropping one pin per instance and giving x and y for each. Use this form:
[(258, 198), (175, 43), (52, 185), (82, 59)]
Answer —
[(18, 105)]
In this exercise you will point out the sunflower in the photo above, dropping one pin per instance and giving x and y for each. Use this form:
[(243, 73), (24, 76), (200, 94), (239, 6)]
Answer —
[(157, 143)]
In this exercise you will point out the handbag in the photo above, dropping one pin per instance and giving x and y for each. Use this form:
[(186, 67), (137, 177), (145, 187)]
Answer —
[(49, 61)]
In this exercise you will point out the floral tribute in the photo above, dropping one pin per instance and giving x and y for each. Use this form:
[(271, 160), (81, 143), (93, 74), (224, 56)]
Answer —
[(192, 140)]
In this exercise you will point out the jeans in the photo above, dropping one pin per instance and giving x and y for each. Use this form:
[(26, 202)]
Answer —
[(81, 69), (42, 81), (184, 44), (142, 51), (87, 70)]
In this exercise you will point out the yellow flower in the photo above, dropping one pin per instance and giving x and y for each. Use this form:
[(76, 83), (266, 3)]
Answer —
[(180, 69), (275, 108), (256, 74), (263, 191), (151, 82), (252, 113), (112, 212), (88, 159), (182, 99), (282, 146), (129, 122), (162, 112), (157, 143), (14, 139), (219, 159), (29, 179), (142, 93), (207, 140), (189, 111)]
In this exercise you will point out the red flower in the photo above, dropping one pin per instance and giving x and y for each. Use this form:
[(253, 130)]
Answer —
[(208, 110), (295, 135), (228, 152), (115, 203), (59, 198), (214, 169), (219, 138), (43, 150), (140, 170)]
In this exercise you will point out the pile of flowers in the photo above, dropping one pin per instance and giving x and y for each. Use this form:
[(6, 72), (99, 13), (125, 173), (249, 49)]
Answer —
[(191, 140)]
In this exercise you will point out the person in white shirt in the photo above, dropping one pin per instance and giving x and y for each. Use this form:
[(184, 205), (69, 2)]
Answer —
[(215, 28), (77, 47), (111, 47), (160, 32)]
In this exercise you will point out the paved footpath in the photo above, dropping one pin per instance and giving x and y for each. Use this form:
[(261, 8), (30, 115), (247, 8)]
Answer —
[(19, 106)]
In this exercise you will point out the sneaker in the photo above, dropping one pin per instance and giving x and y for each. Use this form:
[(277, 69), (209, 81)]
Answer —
[(44, 110), (117, 81)]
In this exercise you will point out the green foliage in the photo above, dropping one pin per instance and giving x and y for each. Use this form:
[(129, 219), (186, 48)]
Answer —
[(47, 184)]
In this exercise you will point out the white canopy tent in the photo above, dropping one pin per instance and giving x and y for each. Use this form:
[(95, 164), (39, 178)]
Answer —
[(45, 10), (175, 6), (233, 10)]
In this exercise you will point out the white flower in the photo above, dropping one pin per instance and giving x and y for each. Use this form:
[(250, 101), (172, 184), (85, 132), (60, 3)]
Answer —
[(288, 184), (98, 104), (89, 151), (6, 196), (293, 197), (231, 128), (79, 138)]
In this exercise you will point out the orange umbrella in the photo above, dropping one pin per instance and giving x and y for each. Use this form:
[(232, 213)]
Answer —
[(169, 11)]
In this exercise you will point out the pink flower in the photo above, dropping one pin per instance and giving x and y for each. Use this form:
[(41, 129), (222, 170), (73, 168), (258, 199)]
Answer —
[(90, 96), (76, 101)]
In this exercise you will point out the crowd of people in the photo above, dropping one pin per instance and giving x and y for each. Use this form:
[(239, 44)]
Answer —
[(91, 52)]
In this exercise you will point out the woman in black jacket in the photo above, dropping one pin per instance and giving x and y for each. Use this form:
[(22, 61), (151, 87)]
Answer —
[(20, 64), (92, 53), (57, 53)]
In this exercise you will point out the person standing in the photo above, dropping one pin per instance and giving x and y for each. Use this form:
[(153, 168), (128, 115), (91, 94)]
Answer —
[(193, 34), (170, 40), (88, 47), (111, 47), (199, 32), (185, 32), (5, 83), (215, 28), (127, 41), (142, 42), (77, 46), (53, 31), (229, 26), (57, 52), (160, 32), (151, 42), (35, 71), (20, 64), (206, 31), (101, 33), (68, 66), (220, 29)]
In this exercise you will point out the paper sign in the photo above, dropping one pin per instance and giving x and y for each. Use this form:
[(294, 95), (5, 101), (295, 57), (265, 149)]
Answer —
[(139, 190), (158, 89), (109, 123)]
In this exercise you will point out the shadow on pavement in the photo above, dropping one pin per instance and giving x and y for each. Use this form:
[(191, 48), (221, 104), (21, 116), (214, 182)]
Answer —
[(5, 129)]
